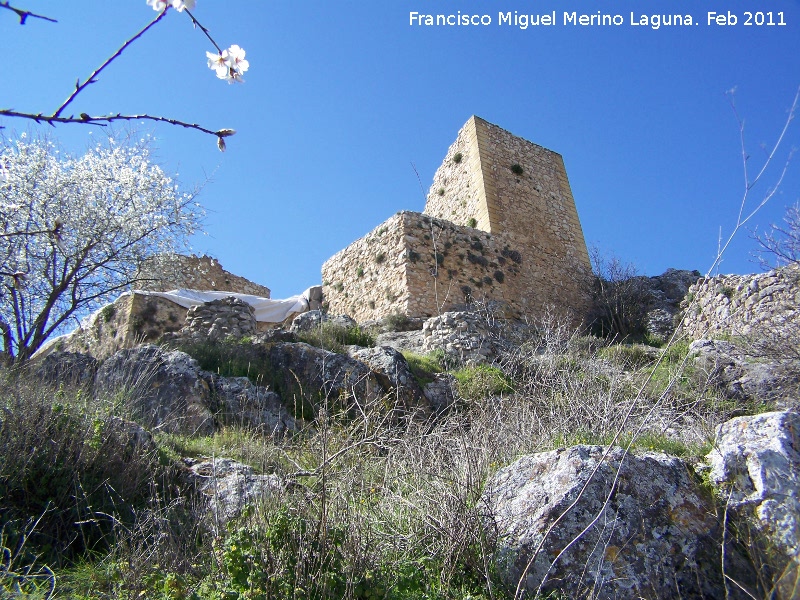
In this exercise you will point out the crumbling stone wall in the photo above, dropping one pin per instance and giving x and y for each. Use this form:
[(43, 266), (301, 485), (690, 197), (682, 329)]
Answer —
[(741, 305), (130, 320), (165, 273), (500, 224)]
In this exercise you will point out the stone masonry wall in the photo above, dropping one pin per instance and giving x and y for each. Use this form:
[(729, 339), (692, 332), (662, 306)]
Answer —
[(432, 266), (131, 319), (512, 186), (457, 193), (165, 273), (367, 279), (743, 304)]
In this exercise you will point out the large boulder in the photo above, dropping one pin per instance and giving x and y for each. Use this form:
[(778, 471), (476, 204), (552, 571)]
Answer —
[(248, 405), (392, 371), (161, 390), (307, 374), (756, 465), (586, 524), (412, 341)]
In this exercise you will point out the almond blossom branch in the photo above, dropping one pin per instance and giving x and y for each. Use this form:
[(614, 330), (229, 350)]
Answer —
[(196, 23), (79, 87), (103, 120), (24, 14)]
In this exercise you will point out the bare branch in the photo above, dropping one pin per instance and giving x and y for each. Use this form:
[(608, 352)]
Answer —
[(79, 87), (24, 14), (196, 23), (101, 121)]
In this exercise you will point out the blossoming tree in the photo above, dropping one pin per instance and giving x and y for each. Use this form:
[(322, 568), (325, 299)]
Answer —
[(74, 231), (229, 65)]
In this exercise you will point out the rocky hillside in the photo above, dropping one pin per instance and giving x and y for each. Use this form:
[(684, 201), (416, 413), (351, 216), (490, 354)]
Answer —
[(466, 455)]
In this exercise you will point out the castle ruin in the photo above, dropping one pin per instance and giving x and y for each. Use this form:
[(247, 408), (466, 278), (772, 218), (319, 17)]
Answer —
[(499, 225)]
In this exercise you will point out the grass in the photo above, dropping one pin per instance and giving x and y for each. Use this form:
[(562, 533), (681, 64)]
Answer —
[(334, 337), (424, 366)]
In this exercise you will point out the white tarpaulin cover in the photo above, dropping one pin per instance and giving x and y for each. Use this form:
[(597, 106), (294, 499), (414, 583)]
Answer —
[(266, 309)]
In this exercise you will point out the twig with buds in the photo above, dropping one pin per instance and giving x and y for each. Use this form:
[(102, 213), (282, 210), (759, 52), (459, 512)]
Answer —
[(227, 64)]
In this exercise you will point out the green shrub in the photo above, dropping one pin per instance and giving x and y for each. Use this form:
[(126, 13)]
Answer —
[(475, 383), (472, 222), (397, 322), (517, 169), (457, 157)]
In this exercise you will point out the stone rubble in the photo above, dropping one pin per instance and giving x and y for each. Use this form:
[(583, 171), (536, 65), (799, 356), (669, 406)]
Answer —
[(219, 319)]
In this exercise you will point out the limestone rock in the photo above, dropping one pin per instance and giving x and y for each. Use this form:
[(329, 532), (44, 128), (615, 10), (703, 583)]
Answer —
[(69, 368), (413, 341), (248, 405), (439, 392), (740, 376), (311, 374), (229, 486), (315, 318), (653, 539), (756, 461), (136, 438), (393, 372), (163, 390)]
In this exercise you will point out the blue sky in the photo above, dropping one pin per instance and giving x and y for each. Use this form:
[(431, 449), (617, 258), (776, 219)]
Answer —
[(343, 96)]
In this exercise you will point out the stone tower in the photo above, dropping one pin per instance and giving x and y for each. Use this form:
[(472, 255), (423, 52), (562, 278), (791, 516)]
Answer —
[(499, 224)]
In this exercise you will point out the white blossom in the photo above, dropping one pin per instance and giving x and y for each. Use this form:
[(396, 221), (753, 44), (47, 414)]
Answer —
[(73, 230), (178, 5), (228, 64)]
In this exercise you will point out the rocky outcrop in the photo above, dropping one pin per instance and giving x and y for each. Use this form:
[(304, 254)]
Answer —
[(413, 341), (665, 294), (440, 392), (755, 464), (307, 374), (743, 377), (68, 368), (160, 389), (229, 486), (616, 526)]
